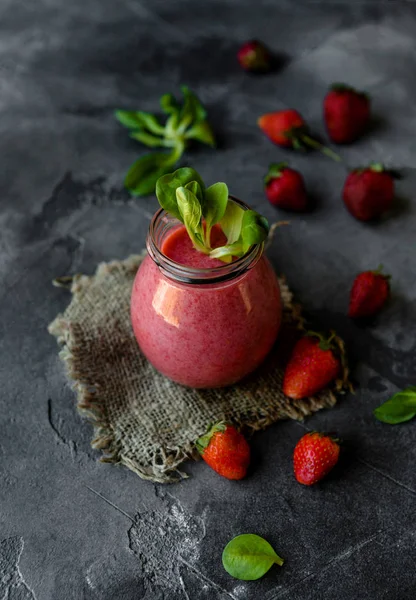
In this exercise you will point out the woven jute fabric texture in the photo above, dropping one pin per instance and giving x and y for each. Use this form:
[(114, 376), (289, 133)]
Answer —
[(142, 419)]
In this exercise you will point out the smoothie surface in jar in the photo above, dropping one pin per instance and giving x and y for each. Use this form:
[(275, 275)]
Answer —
[(210, 334)]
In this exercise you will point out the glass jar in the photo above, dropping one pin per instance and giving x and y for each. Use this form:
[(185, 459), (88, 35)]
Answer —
[(204, 328)]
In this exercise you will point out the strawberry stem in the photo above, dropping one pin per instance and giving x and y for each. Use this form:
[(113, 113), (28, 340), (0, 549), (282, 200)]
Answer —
[(312, 143)]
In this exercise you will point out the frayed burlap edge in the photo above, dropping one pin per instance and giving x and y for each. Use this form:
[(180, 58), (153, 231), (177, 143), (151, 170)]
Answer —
[(166, 461)]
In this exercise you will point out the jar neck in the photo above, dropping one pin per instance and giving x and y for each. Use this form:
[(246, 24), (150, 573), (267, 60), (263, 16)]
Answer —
[(159, 228)]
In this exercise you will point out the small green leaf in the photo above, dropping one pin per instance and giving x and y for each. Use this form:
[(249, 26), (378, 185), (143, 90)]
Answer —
[(169, 104), (232, 221), (168, 184), (399, 408), (215, 203), (201, 132), (228, 251), (249, 557), (195, 188), (191, 213), (254, 229), (192, 106), (128, 118), (139, 120), (147, 139), (143, 174), (150, 122)]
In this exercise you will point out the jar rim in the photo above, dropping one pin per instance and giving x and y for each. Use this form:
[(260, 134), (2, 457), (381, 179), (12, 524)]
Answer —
[(192, 275)]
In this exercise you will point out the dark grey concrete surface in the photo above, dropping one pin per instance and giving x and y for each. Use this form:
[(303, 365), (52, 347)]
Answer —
[(72, 528)]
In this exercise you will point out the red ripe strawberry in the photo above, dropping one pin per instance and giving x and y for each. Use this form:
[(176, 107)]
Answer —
[(287, 128), (314, 456), (369, 192), (346, 113), (225, 450), (282, 126), (254, 56), (311, 367), (285, 188), (369, 293)]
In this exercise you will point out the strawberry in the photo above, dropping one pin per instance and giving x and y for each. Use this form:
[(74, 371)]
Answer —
[(314, 456), (369, 293), (254, 56), (288, 128), (311, 367), (346, 113), (225, 450), (285, 188), (369, 192)]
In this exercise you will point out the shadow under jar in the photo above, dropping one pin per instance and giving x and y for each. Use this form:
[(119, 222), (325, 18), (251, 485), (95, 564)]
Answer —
[(203, 326)]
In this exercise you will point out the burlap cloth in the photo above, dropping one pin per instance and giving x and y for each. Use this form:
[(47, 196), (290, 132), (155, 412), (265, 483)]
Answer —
[(140, 418)]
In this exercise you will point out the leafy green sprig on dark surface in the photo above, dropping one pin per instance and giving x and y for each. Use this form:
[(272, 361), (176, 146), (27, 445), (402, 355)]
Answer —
[(183, 195), (184, 122)]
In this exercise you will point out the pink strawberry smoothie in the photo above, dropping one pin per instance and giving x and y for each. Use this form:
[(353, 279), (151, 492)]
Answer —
[(210, 334)]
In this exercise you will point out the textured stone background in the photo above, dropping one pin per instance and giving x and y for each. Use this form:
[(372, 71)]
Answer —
[(72, 528)]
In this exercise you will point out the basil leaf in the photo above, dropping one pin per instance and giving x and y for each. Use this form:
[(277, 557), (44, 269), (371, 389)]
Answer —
[(139, 120), (201, 132), (168, 184), (142, 176), (249, 557), (147, 139), (232, 221), (215, 203), (169, 104), (192, 106), (254, 228), (191, 213), (399, 408)]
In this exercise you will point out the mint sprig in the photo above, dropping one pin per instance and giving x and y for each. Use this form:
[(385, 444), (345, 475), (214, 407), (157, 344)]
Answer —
[(183, 195), (184, 122)]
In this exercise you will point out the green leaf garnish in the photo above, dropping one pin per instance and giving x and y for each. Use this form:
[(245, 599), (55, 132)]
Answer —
[(399, 408), (201, 132), (232, 222), (184, 123), (196, 189), (215, 203), (167, 185), (184, 196), (249, 557), (143, 174), (148, 139), (169, 104), (192, 107), (191, 212)]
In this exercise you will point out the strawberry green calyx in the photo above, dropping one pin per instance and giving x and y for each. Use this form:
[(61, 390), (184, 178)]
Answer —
[(203, 442), (379, 271), (344, 87), (275, 170), (377, 167), (324, 343), (323, 434)]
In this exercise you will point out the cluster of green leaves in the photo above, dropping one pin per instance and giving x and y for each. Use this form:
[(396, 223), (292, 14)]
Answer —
[(184, 122), (249, 557), (399, 408), (183, 194)]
